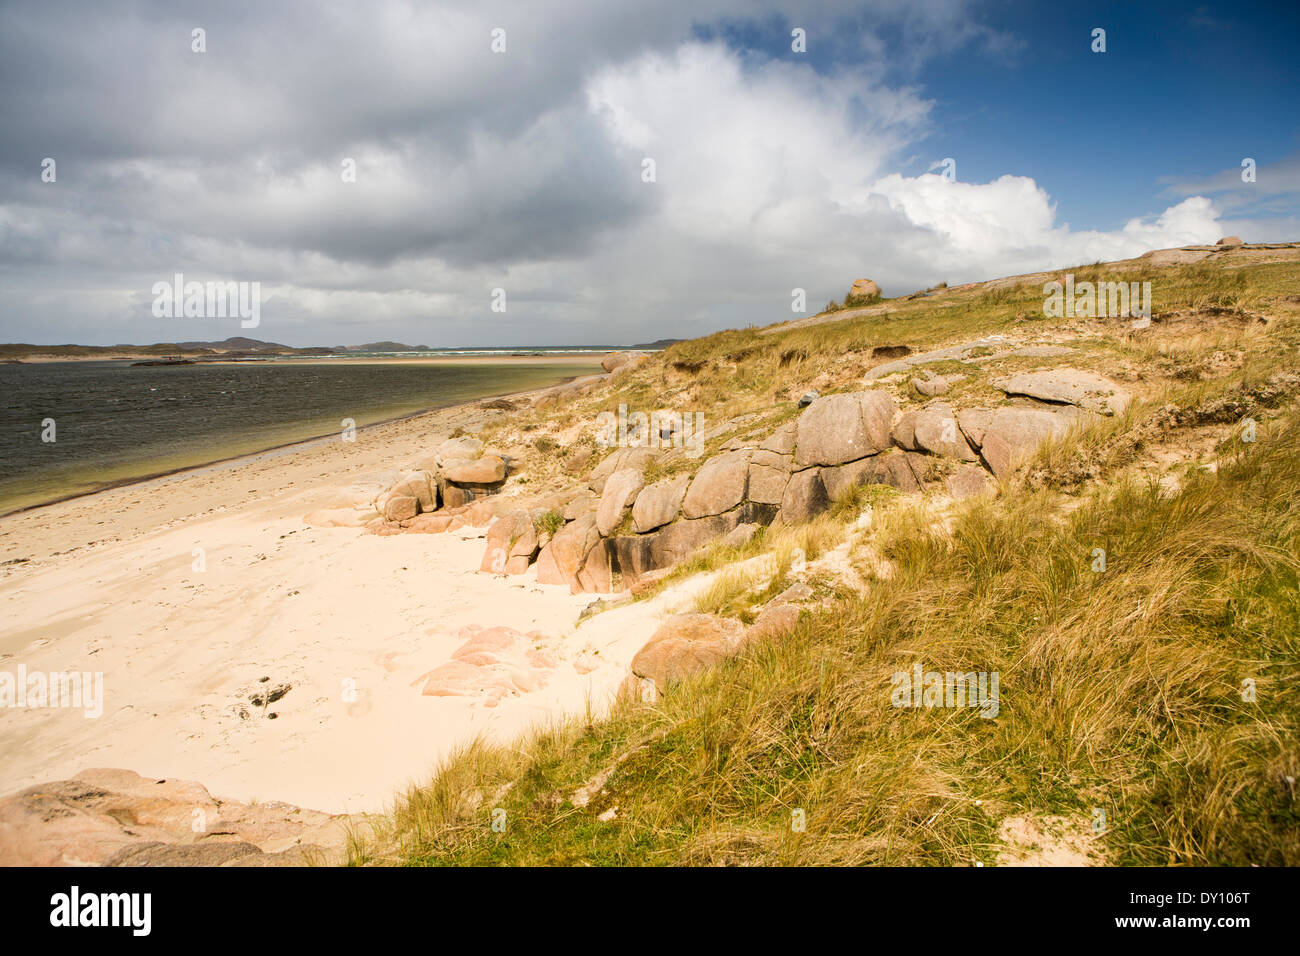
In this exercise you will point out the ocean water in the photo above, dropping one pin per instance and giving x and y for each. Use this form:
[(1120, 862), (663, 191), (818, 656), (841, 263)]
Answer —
[(115, 422)]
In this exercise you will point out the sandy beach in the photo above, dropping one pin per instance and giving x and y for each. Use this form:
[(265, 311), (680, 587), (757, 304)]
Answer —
[(108, 583)]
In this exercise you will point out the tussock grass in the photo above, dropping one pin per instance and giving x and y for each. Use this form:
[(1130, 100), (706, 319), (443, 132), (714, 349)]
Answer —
[(1161, 689), (1120, 689)]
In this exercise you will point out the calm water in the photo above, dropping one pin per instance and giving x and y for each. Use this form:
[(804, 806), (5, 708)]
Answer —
[(114, 421)]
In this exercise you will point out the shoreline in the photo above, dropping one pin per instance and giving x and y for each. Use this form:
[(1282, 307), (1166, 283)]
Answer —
[(397, 358), (109, 583), (153, 476)]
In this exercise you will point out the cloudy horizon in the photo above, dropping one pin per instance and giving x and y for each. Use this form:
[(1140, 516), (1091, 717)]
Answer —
[(909, 142)]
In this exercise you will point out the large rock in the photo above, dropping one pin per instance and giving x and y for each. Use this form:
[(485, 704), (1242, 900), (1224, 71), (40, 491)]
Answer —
[(659, 503), (597, 572), (863, 288), (685, 644), (620, 491), (684, 537), (420, 485), (116, 817), (718, 486), (1070, 386), (935, 429), (463, 447), (487, 470), (614, 359), (769, 473), (901, 470), (561, 558), (583, 503), (401, 507), (1010, 435), (511, 543), (969, 481), (782, 440), (1230, 241), (805, 497), (621, 458), (839, 428)]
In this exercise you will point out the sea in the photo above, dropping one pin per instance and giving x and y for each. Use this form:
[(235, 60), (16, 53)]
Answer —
[(113, 422)]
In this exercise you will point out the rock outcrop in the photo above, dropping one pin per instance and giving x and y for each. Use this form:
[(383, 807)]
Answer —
[(1070, 386), (118, 818)]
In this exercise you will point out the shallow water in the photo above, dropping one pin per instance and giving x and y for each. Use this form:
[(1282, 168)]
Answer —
[(115, 422)]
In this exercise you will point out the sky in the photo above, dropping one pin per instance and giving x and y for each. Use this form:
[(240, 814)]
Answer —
[(909, 141)]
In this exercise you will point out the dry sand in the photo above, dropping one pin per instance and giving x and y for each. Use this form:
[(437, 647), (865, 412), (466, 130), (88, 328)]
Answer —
[(349, 620)]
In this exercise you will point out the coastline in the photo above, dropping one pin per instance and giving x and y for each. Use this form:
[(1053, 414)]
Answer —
[(224, 459), (114, 582)]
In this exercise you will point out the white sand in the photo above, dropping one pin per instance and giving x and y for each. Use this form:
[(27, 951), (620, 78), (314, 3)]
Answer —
[(109, 586)]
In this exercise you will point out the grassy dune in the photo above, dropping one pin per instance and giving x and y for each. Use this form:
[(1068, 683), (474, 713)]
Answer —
[(1152, 708)]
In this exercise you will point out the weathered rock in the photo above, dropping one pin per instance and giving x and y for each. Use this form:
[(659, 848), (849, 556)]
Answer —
[(116, 817), (584, 503), (897, 469), (775, 620), (1071, 386), (620, 491), (614, 360), (478, 513), (1230, 241), (681, 539), (561, 558), (659, 503), (718, 486), (420, 485), (487, 470), (1012, 434), (621, 458), (840, 428), (973, 422), (455, 497), (740, 535), (938, 385), (401, 507), (904, 431), (511, 543), (863, 288), (808, 397), (429, 524), (685, 644), (935, 429), (769, 473), (597, 572), (782, 440), (1042, 351), (968, 481), (464, 447), (805, 497)]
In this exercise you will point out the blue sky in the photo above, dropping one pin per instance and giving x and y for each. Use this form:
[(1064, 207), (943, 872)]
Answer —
[(522, 169)]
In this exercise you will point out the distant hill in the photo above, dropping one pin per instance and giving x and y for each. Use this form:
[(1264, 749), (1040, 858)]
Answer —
[(235, 347), (387, 347)]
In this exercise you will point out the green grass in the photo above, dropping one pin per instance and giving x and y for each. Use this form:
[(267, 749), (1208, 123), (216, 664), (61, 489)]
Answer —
[(1121, 689)]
